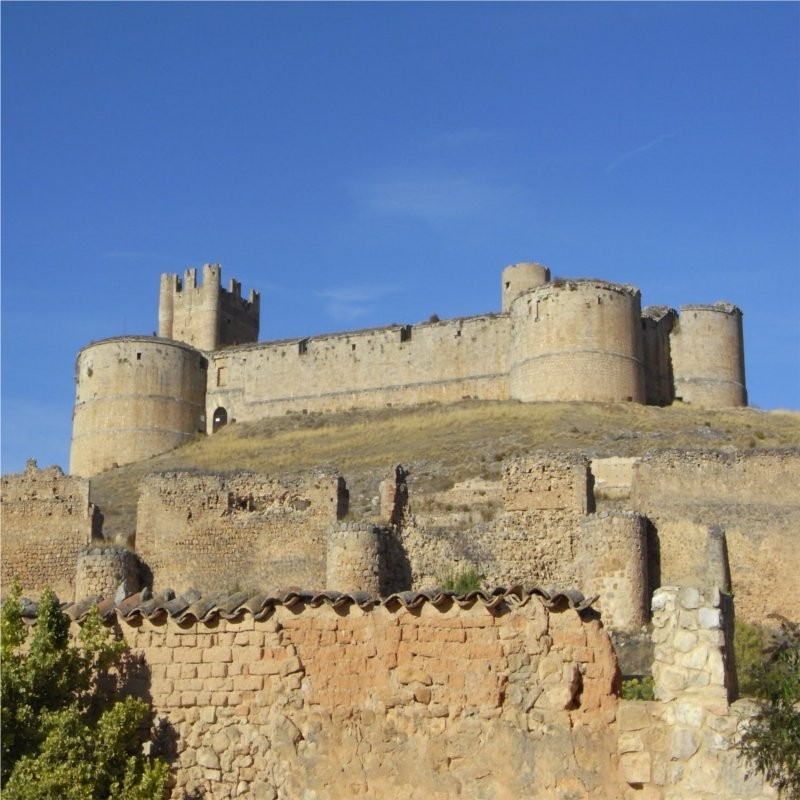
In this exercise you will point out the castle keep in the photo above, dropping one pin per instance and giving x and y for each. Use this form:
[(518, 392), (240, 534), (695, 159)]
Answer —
[(576, 339)]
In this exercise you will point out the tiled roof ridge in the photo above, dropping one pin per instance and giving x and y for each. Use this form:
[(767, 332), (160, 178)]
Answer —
[(194, 607)]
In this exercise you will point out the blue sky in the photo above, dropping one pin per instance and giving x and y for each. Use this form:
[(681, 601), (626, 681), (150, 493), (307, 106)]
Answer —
[(362, 164)]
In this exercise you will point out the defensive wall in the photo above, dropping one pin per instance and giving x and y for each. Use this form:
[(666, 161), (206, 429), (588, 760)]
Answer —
[(618, 528), (46, 521), (575, 339), (429, 695)]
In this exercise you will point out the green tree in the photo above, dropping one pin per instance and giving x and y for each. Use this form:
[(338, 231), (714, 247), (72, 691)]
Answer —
[(771, 743), (65, 732)]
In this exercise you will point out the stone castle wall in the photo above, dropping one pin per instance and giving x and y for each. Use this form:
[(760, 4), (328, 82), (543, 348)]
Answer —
[(752, 496), (46, 520), (212, 532), (583, 340), (402, 365)]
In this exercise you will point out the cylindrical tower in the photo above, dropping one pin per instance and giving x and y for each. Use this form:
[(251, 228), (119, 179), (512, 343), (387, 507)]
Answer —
[(519, 278), (101, 571), (353, 557), (577, 340), (136, 397), (707, 348)]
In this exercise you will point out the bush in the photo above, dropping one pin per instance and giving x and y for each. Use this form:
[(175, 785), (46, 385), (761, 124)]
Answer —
[(749, 642), (638, 688), (771, 743), (64, 734), (461, 581)]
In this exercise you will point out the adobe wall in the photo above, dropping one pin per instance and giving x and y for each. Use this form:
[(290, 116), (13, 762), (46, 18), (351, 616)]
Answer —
[(46, 520), (212, 532), (752, 495), (577, 340), (434, 700), (399, 365), (136, 396)]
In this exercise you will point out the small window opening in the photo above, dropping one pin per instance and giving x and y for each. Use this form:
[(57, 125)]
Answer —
[(508, 284), (302, 347), (220, 419), (352, 347), (222, 376), (138, 356), (405, 333)]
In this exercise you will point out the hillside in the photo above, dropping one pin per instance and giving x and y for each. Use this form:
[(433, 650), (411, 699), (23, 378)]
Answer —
[(441, 444)]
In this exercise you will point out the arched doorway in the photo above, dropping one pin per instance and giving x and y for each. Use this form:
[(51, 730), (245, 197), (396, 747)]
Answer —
[(220, 419)]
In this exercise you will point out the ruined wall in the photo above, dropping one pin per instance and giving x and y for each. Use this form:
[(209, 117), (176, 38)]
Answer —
[(399, 365), (707, 347), (432, 700), (136, 396), (545, 535), (577, 340), (214, 532), (752, 495), (46, 520), (683, 745)]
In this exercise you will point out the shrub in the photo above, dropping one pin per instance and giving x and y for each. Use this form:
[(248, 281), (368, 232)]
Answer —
[(638, 688), (461, 581), (64, 734), (771, 743), (749, 642)]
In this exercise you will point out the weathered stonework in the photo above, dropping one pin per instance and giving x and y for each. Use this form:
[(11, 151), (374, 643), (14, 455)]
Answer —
[(46, 520), (584, 339)]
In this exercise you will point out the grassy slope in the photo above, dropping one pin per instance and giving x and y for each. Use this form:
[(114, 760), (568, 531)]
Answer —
[(442, 443)]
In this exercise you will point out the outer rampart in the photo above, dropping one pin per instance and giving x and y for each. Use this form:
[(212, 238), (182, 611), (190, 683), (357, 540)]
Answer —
[(46, 520), (577, 340), (214, 533), (136, 396)]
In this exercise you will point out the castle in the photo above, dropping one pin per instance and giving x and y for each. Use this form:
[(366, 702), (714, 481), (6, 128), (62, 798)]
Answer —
[(371, 684), (586, 339)]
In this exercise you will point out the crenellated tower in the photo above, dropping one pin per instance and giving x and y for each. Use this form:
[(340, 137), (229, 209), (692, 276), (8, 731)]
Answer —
[(205, 315)]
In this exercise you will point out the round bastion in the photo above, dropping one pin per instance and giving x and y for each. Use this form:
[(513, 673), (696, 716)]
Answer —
[(105, 570), (519, 278), (136, 396), (577, 340), (707, 348)]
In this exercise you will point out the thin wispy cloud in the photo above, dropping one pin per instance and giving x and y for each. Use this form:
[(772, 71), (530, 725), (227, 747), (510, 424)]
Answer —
[(430, 197), (346, 304), (638, 151)]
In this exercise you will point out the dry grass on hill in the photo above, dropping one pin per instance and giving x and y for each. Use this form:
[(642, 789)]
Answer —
[(442, 444)]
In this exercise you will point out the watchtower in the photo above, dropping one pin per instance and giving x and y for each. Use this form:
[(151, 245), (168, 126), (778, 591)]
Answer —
[(206, 316)]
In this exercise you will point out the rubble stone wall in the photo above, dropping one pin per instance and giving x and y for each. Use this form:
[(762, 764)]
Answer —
[(752, 496), (46, 520), (215, 533)]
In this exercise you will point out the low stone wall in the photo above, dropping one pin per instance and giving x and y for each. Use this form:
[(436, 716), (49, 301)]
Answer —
[(504, 697)]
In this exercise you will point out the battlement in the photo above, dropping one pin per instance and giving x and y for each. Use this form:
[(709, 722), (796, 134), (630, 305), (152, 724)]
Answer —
[(205, 314)]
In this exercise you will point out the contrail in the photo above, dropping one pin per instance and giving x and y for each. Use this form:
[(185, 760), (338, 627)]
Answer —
[(614, 164)]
